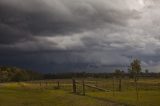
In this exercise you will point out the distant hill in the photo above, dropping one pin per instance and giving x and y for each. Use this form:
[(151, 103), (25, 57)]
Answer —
[(8, 74)]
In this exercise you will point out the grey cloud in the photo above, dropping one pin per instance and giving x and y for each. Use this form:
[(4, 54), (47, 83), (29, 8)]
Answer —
[(53, 17), (81, 34)]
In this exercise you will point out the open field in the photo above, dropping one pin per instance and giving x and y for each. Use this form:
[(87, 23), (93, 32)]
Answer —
[(46, 93)]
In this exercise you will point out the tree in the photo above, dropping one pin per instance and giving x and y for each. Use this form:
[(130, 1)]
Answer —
[(16, 74), (146, 71), (135, 69)]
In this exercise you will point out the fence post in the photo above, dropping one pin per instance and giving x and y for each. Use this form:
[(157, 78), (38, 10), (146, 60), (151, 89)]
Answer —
[(120, 84), (58, 85), (40, 84), (74, 85), (113, 86), (83, 87), (46, 83), (96, 83)]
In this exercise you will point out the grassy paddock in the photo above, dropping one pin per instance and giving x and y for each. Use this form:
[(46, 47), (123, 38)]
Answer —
[(24, 94), (46, 93)]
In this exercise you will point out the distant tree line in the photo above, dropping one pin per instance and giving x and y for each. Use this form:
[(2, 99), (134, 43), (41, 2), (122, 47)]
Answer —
[(70, 75), (118, 73), (8, 74)]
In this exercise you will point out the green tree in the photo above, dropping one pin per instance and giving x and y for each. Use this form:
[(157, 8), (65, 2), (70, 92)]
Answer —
[(16, 74), (135, 69), (146, 71)]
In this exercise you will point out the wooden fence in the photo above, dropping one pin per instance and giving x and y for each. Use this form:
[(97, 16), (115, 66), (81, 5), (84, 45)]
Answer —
[(75, 83)]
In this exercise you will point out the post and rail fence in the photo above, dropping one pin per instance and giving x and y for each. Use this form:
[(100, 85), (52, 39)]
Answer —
[(75, 83)]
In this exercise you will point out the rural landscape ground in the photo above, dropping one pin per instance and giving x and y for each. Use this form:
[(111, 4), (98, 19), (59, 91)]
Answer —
[(46, 93)]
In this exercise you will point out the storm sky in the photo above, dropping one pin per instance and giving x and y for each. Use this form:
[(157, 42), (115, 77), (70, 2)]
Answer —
[(79, 35)]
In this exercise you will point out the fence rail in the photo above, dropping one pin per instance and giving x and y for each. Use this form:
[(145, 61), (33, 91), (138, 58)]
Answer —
[(74, 83)]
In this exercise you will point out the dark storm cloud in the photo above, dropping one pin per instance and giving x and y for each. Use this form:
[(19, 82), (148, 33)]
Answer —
[(79, 35), (20, 20)]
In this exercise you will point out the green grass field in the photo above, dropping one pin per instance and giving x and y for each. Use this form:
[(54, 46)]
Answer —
[(46, 94)]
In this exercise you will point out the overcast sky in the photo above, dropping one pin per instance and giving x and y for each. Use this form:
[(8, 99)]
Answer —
[(79, 35)]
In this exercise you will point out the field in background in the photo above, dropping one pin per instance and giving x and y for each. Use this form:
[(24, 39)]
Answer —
[(47, 93)]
